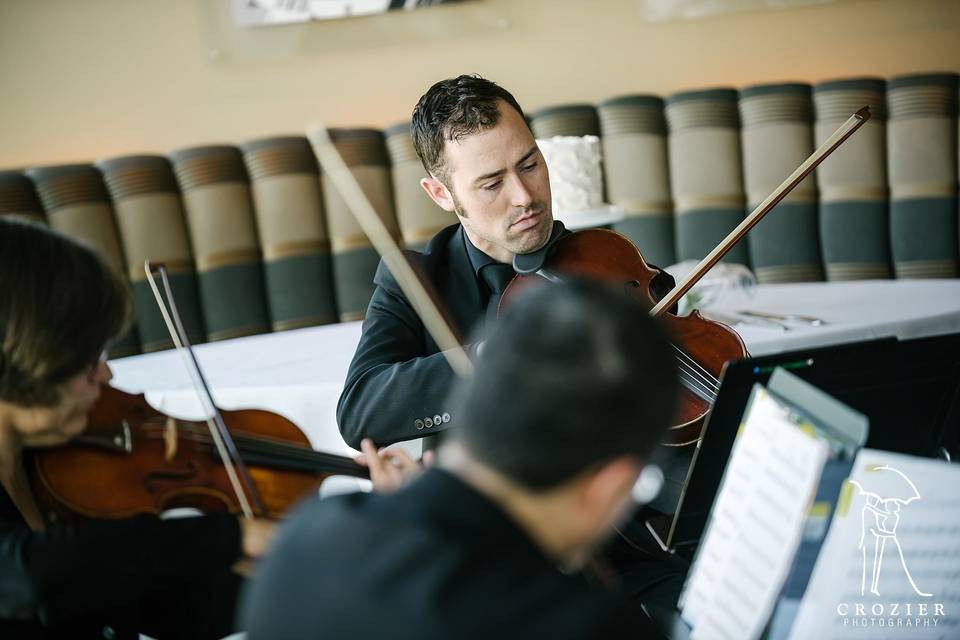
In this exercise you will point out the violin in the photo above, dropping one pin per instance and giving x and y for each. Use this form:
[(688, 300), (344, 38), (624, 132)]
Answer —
[(702, 346), (133, 459)]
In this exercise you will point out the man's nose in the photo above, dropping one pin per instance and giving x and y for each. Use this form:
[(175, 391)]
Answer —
[(519, 193)]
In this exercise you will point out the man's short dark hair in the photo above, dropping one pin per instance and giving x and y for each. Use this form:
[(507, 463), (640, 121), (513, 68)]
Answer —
[(573, 375), (61, 305), (451, 109)]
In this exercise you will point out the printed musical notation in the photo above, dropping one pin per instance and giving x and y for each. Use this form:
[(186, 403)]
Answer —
[(756, 524)]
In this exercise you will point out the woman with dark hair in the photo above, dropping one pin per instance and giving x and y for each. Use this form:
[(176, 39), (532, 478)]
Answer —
[(60, 308)]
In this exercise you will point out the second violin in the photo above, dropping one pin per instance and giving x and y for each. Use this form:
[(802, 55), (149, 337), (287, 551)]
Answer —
[(132, 459)]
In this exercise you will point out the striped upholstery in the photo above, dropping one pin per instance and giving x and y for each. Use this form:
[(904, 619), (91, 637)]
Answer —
[(777, 137), (354, 258), (418, 216), (216, 198), (18, 197), (565, 120), (635, 171), (293, 232), (76, 202), (922, 167), (853, 182), (705, 171), (152, 227)]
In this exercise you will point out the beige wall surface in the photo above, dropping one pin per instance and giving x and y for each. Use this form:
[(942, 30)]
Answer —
[(97, 78)]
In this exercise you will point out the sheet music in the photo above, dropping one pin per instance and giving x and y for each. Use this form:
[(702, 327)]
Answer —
[(755, 525), (890, 566)]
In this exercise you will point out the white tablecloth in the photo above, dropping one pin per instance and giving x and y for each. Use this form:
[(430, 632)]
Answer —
[(300, 373), (851, 311)]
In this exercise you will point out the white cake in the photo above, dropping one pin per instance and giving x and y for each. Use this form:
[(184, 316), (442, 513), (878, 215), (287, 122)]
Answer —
[(576, 179)]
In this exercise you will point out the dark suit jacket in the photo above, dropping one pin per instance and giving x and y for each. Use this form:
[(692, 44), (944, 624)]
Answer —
[(398, 382), (436, 560), (136, 574), (397, 375)]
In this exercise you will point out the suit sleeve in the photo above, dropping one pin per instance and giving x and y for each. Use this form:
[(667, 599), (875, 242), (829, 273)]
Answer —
[(394, 391), (71, 570)]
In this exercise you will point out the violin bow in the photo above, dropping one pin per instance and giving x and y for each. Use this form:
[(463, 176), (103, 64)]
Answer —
[(372, 225), (236, 470), (829, 145)]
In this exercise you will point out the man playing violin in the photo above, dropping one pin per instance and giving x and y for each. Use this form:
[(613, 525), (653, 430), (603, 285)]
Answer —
[(60, 307), (484, 166), (490, 541)]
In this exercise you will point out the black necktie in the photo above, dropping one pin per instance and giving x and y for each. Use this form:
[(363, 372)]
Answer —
[(496, 276)]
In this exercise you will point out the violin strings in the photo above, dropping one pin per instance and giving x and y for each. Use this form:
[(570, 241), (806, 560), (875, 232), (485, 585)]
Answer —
[(697, 389), (706, 375), (693, 385), (704, 378), (281, 452), (698, 382), (696, 386), (698, 379)]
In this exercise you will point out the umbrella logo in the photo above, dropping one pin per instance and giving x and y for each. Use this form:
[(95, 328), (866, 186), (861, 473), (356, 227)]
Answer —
[(879, 520)]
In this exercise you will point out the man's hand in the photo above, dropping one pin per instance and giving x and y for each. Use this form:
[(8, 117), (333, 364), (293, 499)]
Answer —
[(256, 536), (390, 470)]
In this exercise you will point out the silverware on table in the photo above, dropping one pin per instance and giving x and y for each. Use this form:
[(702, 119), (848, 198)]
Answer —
[(734, 318), (790, 317)]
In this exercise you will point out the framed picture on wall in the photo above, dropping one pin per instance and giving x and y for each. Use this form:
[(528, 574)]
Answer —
[(657, 10), (255, 13)]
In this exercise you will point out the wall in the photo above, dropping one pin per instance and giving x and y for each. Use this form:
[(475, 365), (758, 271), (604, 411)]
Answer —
[(91, 79)]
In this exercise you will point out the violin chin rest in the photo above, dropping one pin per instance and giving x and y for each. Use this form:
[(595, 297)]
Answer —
[(529, 263)]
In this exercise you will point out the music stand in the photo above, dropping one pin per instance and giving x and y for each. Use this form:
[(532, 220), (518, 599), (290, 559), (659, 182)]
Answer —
[(909, 390)]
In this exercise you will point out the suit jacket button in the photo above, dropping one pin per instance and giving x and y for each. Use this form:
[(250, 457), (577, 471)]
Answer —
[(446, 418), (437, 419), (427, 422), (418, 423)]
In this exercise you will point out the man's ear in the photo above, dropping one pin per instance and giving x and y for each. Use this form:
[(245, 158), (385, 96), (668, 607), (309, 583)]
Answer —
[(438, 192), (604, 488)]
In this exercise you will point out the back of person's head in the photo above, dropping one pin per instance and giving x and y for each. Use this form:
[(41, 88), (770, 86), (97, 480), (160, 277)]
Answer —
[(451, 109), (60, 306), (574, 375)]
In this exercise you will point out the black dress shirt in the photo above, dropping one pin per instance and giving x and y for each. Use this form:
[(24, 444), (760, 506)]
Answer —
[(434, 560), (398, 382), (113, 579)]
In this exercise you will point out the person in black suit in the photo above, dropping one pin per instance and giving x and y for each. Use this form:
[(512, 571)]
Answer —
[(484, 166), (60, 307), (569, 398)]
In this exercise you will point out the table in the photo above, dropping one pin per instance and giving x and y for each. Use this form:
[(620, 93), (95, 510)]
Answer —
[(851, 310), (300, 373)]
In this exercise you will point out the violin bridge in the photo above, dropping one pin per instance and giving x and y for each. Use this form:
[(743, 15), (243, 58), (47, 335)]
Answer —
[(170, 439)]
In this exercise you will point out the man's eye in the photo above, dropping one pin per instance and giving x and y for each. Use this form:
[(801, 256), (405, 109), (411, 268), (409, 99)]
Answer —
[(492, 186), (529, 167)]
